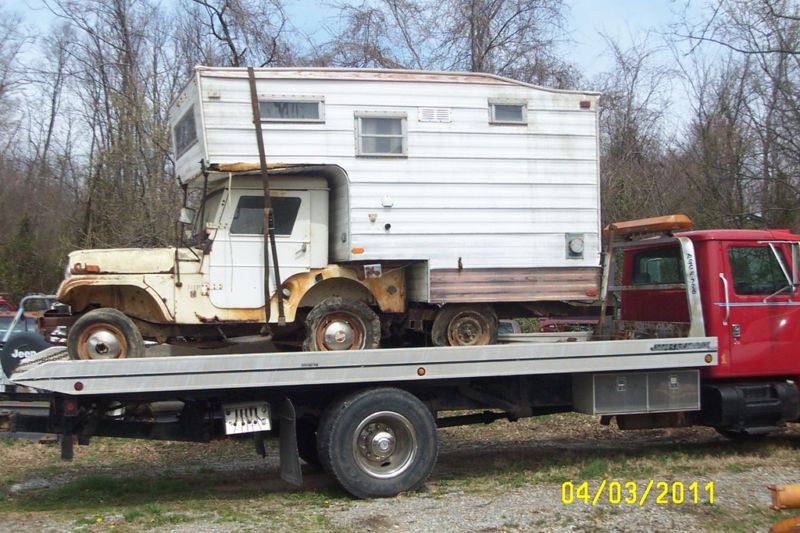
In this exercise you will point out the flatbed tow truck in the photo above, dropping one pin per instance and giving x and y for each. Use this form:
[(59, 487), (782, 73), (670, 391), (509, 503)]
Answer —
[(674, 350)]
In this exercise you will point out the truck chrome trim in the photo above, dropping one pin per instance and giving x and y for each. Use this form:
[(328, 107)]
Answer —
[(756, 304), (727, 299), (697, 325)]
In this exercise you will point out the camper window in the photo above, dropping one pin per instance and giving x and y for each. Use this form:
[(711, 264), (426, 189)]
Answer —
[(184, 134), (294, 109), (508, 112), (381, 134)]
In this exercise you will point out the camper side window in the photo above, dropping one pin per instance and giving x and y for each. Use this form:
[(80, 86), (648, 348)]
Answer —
[(295, 109), (508, 112), (249, 216), (184, 134), (381, 134)]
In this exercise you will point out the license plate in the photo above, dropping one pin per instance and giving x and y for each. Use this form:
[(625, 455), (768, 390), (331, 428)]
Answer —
[(246, 417)]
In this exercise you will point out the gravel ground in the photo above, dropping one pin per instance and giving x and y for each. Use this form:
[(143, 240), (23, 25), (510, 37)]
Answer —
[(503, 477)]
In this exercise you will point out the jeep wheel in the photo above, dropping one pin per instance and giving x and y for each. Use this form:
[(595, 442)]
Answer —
[(104, 334), (465, 325), (341, 324)]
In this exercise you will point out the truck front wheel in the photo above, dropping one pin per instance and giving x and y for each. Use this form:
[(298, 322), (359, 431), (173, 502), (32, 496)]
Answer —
[(104, 333), (341, 324), (378, 442)]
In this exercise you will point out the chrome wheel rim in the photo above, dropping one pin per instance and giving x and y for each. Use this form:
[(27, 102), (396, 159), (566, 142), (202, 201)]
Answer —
[(102, 341), (385, 444), (340, 331)]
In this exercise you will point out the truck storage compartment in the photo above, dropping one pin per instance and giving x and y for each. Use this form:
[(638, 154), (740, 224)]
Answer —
[(636, 392)]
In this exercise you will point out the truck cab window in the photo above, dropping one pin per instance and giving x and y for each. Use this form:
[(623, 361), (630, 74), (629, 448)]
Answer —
[(755, 270), (659, 266), (249, 216)]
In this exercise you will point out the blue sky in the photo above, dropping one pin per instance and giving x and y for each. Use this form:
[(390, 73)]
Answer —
[(625, 20), (621, 19)]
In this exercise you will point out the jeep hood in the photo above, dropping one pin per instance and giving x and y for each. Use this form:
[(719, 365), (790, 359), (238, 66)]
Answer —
[(131, 260)]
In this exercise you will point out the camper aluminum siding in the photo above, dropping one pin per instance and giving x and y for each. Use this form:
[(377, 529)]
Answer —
[(487, 205)]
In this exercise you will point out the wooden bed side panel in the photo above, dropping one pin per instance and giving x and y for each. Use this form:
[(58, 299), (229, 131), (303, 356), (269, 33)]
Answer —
[(514, 284)]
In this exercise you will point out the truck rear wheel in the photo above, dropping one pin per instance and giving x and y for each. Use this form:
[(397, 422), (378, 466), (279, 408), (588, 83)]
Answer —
[(341, 324), (465, 325), (378, 442), (104, 333)]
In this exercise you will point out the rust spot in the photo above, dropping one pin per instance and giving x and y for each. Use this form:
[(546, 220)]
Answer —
[(80, 293), (245, 167)]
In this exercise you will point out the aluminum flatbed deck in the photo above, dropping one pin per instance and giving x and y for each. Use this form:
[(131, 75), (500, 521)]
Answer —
[(265, 370)]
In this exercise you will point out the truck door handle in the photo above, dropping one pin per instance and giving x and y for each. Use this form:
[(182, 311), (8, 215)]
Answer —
[(303, 249), (727, 299)]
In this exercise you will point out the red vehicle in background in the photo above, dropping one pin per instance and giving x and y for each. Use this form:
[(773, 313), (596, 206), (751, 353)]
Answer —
[(6, 307)]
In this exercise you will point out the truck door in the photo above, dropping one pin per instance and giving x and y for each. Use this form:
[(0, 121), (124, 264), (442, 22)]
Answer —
[(759, 320), (236, 270)]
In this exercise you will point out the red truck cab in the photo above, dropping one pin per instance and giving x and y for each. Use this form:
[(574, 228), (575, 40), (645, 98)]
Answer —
[(740, 286)]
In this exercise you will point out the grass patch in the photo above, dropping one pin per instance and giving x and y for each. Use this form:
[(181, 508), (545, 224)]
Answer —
[(231, 516), (752, 519), (595, 469), (99, 490)]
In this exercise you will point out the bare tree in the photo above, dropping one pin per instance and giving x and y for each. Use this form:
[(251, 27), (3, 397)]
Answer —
[(767, 32), (633, 149), (243, 32), (514, 38), (715, 160)]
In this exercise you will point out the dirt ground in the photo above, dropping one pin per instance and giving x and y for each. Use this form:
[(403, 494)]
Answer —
[(523, 476)]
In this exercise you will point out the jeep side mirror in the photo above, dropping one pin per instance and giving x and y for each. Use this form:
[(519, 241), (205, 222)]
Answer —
[(186, 216)]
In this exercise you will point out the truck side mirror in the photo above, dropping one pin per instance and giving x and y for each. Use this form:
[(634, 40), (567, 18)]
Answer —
[(186, 216)]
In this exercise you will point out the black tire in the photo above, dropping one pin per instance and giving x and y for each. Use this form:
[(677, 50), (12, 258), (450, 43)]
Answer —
[(104, 333), (465, 325), (18, 348), (378, 442), (360, 327), (307, 442)]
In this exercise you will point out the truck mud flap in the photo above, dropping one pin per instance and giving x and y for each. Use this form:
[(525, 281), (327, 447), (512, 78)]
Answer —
[(290, 457)]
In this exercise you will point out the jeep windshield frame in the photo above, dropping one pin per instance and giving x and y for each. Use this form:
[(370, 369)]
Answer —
[(208, 213)]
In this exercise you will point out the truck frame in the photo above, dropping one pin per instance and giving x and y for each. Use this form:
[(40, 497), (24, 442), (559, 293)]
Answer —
[(369, 417)]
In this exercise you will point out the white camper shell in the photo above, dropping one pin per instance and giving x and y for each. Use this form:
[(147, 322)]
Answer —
[(487, 185)]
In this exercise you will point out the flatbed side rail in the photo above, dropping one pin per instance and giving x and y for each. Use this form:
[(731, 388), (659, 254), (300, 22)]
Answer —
[(225, 372)]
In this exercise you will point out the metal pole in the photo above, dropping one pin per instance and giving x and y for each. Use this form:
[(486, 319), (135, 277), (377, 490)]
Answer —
[(607, 279), (269, 232)]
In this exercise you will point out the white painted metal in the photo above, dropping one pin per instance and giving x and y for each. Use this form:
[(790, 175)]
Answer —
[(226, 372), (236, 268), (236, 263), (494, 195)]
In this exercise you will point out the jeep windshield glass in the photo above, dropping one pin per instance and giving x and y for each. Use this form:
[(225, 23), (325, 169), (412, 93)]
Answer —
[(209, 214)]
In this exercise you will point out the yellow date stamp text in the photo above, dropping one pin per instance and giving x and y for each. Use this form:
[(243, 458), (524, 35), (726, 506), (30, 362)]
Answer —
[(639, 493)]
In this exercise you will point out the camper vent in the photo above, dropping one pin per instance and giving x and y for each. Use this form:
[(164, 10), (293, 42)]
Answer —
[(434, 114)]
